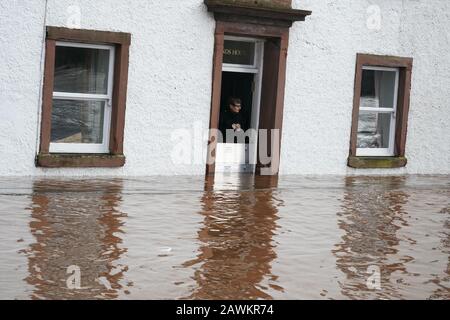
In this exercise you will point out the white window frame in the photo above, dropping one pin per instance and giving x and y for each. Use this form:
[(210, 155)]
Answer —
[(80, 148), (390, 151), (245, 68)]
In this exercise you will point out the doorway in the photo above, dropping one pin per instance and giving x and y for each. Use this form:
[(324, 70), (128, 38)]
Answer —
[(241, 80), (235, 84)]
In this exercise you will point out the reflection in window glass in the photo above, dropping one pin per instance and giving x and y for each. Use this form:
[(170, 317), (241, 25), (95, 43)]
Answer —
[(81, 70), (374, 130), (377, 89), (77, 121)]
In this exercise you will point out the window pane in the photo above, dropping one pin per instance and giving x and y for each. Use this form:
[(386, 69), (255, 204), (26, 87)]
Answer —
[(239, 52), (377, 89), (81, 70), (77, 121), (374, 129)]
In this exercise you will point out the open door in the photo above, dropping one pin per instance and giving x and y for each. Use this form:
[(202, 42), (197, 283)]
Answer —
[(254, 57), (241, 81), (260, 41)]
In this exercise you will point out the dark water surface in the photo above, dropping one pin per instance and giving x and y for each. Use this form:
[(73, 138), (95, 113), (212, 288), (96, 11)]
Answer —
[(179, 238)]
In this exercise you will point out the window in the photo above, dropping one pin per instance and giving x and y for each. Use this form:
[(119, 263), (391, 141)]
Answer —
[(380, 112), (239, 52), (377, 112), (84, 98)]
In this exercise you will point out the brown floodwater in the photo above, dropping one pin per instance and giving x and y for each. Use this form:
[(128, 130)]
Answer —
[(233, 238)]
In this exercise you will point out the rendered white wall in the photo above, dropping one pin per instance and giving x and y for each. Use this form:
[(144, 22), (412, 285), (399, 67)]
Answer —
[(21, 29), (170, 80)]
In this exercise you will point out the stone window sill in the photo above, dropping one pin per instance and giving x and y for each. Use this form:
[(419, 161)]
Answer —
[(80, 161), (376, 162)]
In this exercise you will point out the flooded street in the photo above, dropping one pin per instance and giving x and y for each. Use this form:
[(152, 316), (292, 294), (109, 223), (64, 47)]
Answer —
[(179, 238)]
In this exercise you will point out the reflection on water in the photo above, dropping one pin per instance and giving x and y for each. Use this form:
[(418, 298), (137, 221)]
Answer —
[(228, 238), (378, 219), (371, 218), (73, 229), (237, 246)]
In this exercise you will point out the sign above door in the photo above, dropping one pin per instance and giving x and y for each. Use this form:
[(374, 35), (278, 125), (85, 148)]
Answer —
[(239, 52)]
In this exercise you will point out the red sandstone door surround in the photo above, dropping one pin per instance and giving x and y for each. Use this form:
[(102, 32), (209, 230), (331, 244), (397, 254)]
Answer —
[(270, 21)]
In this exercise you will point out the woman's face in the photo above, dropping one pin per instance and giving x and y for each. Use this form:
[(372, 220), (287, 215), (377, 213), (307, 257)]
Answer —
[(235, 108)]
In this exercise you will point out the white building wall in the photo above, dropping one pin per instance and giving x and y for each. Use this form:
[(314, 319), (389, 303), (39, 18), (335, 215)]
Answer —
[(321, 72), (170, 74), (21, 38)]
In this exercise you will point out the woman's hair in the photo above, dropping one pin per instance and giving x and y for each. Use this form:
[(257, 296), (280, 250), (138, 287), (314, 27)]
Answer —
[(234, 100)]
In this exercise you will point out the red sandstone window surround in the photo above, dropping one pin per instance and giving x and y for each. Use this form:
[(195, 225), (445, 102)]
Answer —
[(84, 98), (380, 111)]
